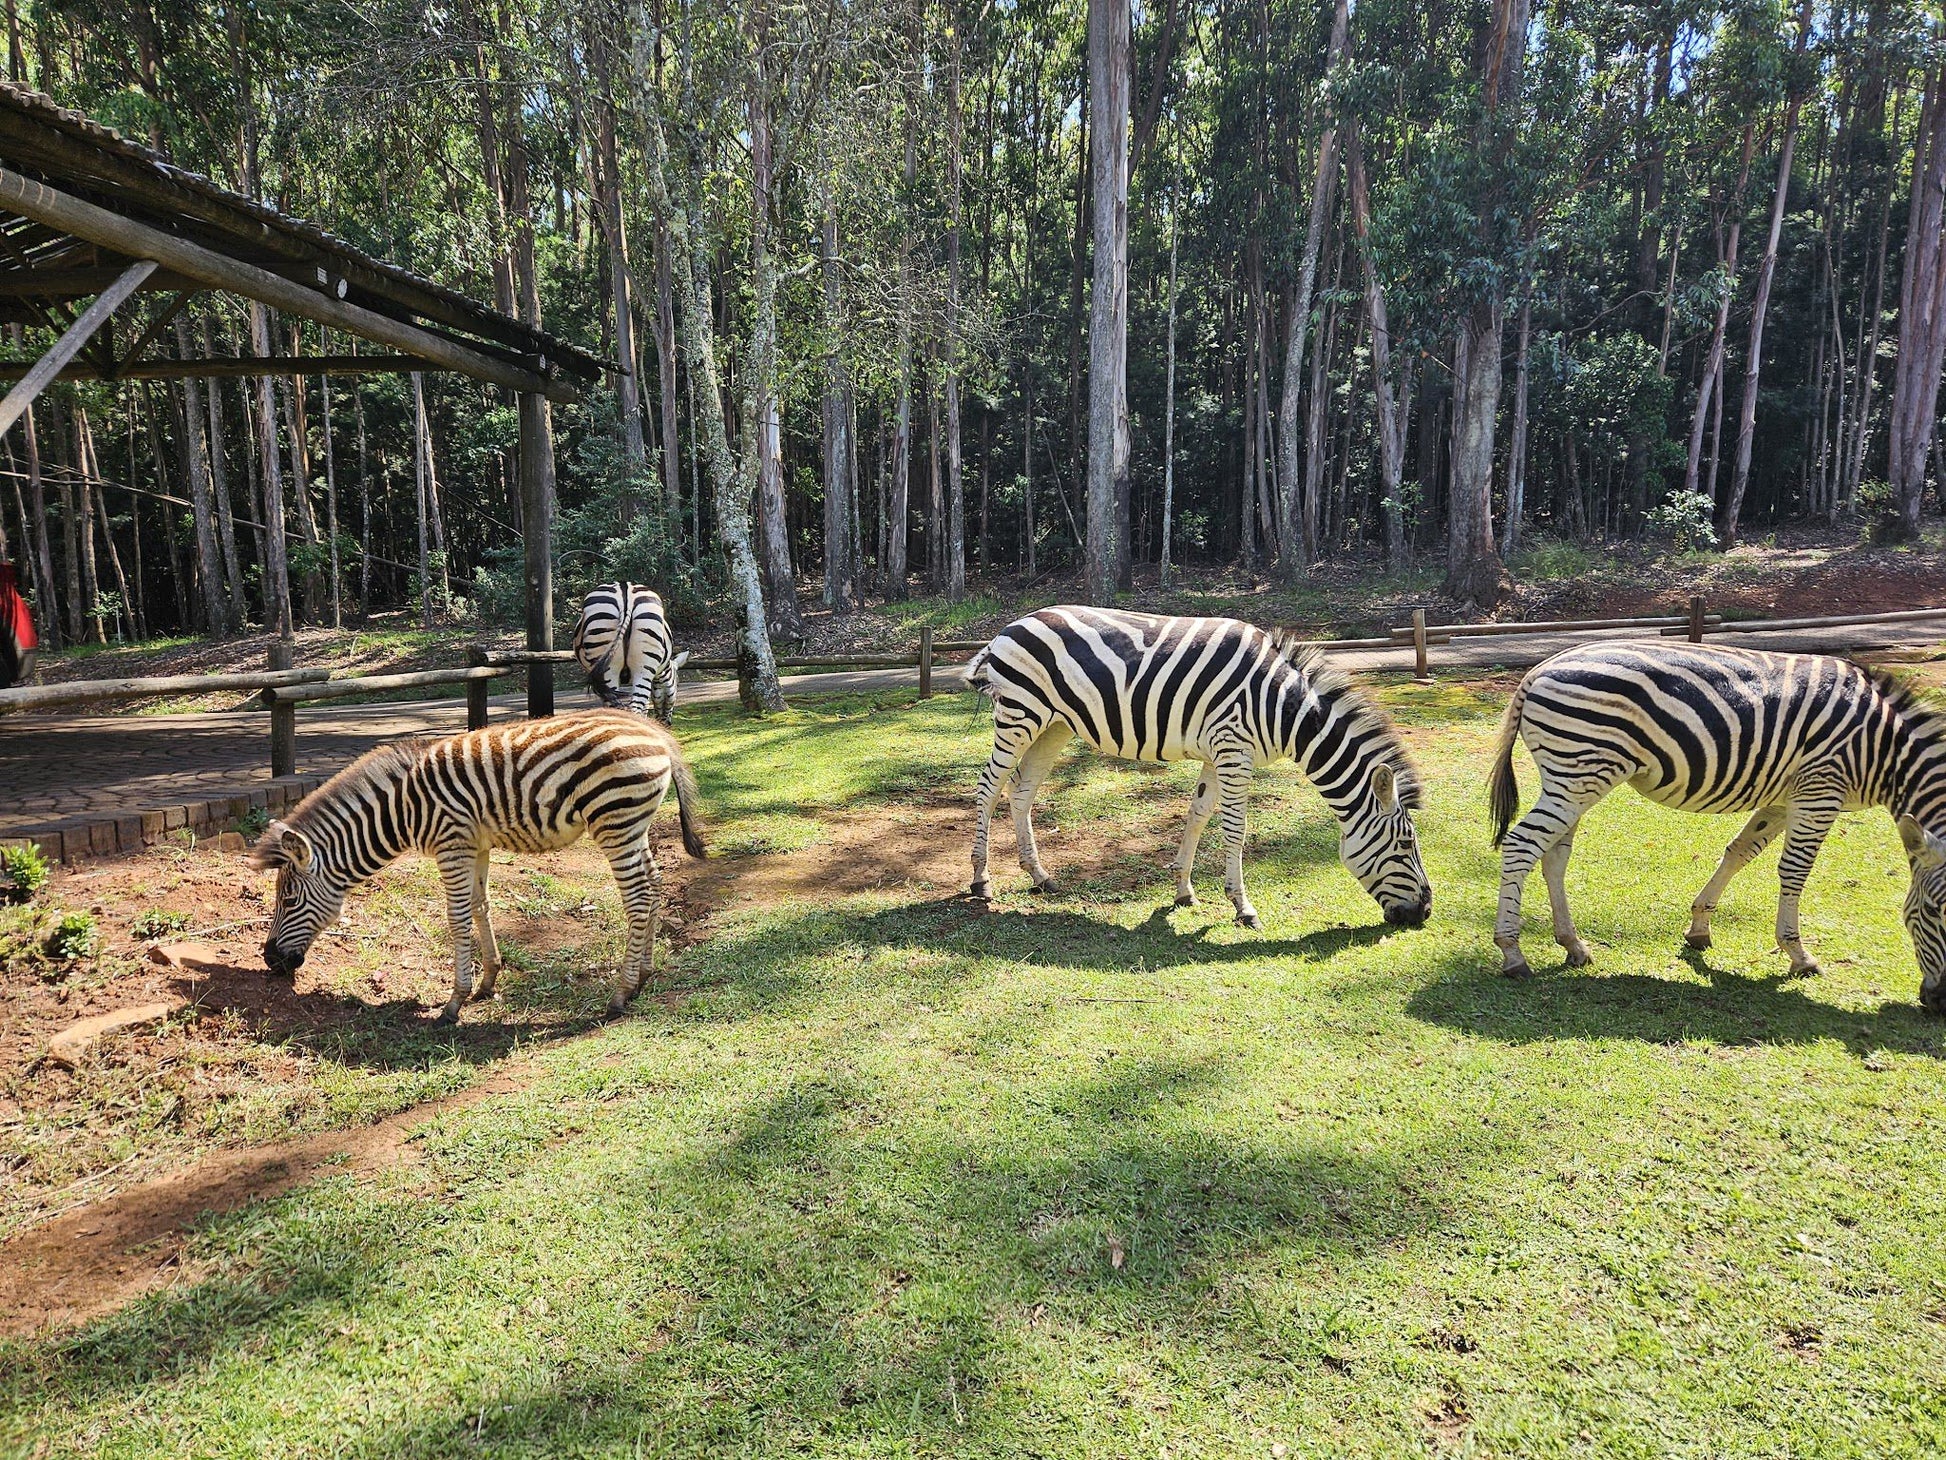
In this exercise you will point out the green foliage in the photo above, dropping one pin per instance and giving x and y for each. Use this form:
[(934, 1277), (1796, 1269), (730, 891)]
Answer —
[(23, 872), (157, 923), (253, 823), (74, 936), (1684, 519)]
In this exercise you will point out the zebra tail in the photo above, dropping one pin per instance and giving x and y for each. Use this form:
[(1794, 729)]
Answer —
[(692, 831), (976, 668), (1504, 790)]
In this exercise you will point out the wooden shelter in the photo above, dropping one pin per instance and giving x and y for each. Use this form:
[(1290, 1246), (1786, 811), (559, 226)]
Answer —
[(87, 215)]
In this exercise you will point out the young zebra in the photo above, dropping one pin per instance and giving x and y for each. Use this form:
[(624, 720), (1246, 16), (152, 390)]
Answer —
[(1793, 739), (533, 786), (1143, 687), (622, 640)]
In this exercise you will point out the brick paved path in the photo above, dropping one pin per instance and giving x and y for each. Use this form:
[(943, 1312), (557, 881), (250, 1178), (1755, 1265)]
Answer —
[(94, 785)]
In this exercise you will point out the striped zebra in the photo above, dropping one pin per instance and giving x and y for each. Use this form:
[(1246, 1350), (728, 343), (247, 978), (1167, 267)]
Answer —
[(622, 639), (533, 786), (1143, 687), (1791, 739)]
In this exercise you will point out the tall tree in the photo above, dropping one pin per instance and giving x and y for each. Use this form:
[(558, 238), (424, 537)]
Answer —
[(1108, 434)]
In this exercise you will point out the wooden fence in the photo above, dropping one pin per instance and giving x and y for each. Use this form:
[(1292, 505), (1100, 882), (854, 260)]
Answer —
[(281, 688)]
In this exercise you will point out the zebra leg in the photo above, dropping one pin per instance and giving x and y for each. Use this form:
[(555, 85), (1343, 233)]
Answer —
[(483, 930), (1552, 818), (1031, 771), (1554, 867), (1757, 834), (640, 880), (456, 873), (1233, 773), (1202, 805), (1806, 824), (1008, 743)]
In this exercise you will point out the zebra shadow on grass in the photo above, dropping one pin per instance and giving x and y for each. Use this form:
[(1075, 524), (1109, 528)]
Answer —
[(1729, 1009)]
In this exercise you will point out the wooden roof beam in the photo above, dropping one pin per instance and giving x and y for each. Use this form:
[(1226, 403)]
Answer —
[(56, 209)]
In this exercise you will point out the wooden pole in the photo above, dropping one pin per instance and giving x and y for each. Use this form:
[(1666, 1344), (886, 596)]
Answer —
[(1421, 670), (219, 271), (537, 530), (925, 662), (69, 345), (283, 737), (1696, 618), (476, 691)]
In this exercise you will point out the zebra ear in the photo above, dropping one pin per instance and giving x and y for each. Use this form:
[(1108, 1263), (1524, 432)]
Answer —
[(678, 662), (1385, 786), (283, 846), (1925, 849)]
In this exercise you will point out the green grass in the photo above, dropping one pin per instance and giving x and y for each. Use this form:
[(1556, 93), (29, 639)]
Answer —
[(1083, 1177)]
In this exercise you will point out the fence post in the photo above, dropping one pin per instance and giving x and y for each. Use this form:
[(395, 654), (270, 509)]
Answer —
[(1421, 670), (925, 662), (283, 736), (746, 673), (281, 653), (1695, 618), (476, 691)]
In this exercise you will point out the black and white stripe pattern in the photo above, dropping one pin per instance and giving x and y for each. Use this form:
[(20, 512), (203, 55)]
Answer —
[(622, 639), (1791, 739), (1143, 687), (534, 786)]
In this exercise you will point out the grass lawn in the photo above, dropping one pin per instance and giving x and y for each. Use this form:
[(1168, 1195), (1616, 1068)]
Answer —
[(888, 1176)]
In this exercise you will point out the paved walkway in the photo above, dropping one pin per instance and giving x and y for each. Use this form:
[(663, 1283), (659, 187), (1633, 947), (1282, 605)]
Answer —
[(98, 784)]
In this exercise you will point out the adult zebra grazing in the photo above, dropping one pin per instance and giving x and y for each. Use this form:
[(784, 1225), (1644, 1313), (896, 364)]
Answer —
[(533, 786), (1793, 739), (622, 639), (1144, 687)]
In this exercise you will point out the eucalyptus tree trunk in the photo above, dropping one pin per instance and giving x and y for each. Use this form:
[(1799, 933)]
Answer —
[(690, 258), (1713, 366), (50, 617), (628, 392), (955, 537), (1922, 319), (1760, 306), (1289, 529), (1517, 448), (665, 352), (1108, 439), (1166, 567), (840, 570), (331, 509), (893, 567), (1474, 573), (766, 431), (196, 471), (219, 468), (420, 470), (1390, 427)]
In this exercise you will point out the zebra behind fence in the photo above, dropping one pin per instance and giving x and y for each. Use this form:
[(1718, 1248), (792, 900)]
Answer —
[(1792, 739), (533, 786), (1143, 687), (622, 639)]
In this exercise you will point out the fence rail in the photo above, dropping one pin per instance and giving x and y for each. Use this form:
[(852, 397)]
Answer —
[(104, 691)]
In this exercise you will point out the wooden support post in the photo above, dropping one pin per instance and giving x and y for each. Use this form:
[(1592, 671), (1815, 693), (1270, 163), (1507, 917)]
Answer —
[(746, 672), (1421, 670), (1695, 618), (283, 737), (476, 691), (537, 530), (925, 662), (69, 345)]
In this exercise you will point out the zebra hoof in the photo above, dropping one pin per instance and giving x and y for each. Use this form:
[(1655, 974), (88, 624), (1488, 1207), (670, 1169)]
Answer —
[(1579, 956), (1047, 888), (1251, 921), (1698, 941), (1519, 969), (1185, 899), (446, 1016), (982, 889), (1804, 970)]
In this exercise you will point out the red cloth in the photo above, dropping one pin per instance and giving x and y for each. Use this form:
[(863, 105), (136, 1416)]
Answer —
[(17, 637)]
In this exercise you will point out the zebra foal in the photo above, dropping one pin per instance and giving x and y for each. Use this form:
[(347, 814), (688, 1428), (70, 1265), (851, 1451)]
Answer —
[(1142, 687), (1791, 739), (535, 786), (622, 639)]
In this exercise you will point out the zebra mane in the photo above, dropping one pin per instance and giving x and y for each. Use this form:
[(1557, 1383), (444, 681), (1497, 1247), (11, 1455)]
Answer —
[(1924, 716), (1331, 683), (381, 764)]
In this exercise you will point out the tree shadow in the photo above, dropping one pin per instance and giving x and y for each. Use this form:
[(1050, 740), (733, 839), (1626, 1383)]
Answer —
[(1730, 1009)]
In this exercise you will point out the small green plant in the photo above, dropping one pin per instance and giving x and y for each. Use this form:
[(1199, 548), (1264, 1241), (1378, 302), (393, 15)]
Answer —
[(1686, 519), (75, 936), (23, 872), (156, 923), (253, 823)]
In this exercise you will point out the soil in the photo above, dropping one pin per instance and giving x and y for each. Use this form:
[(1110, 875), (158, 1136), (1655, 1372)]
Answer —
[(99, 1242)]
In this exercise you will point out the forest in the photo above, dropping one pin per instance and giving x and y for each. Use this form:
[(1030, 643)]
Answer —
[(906, 293)]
